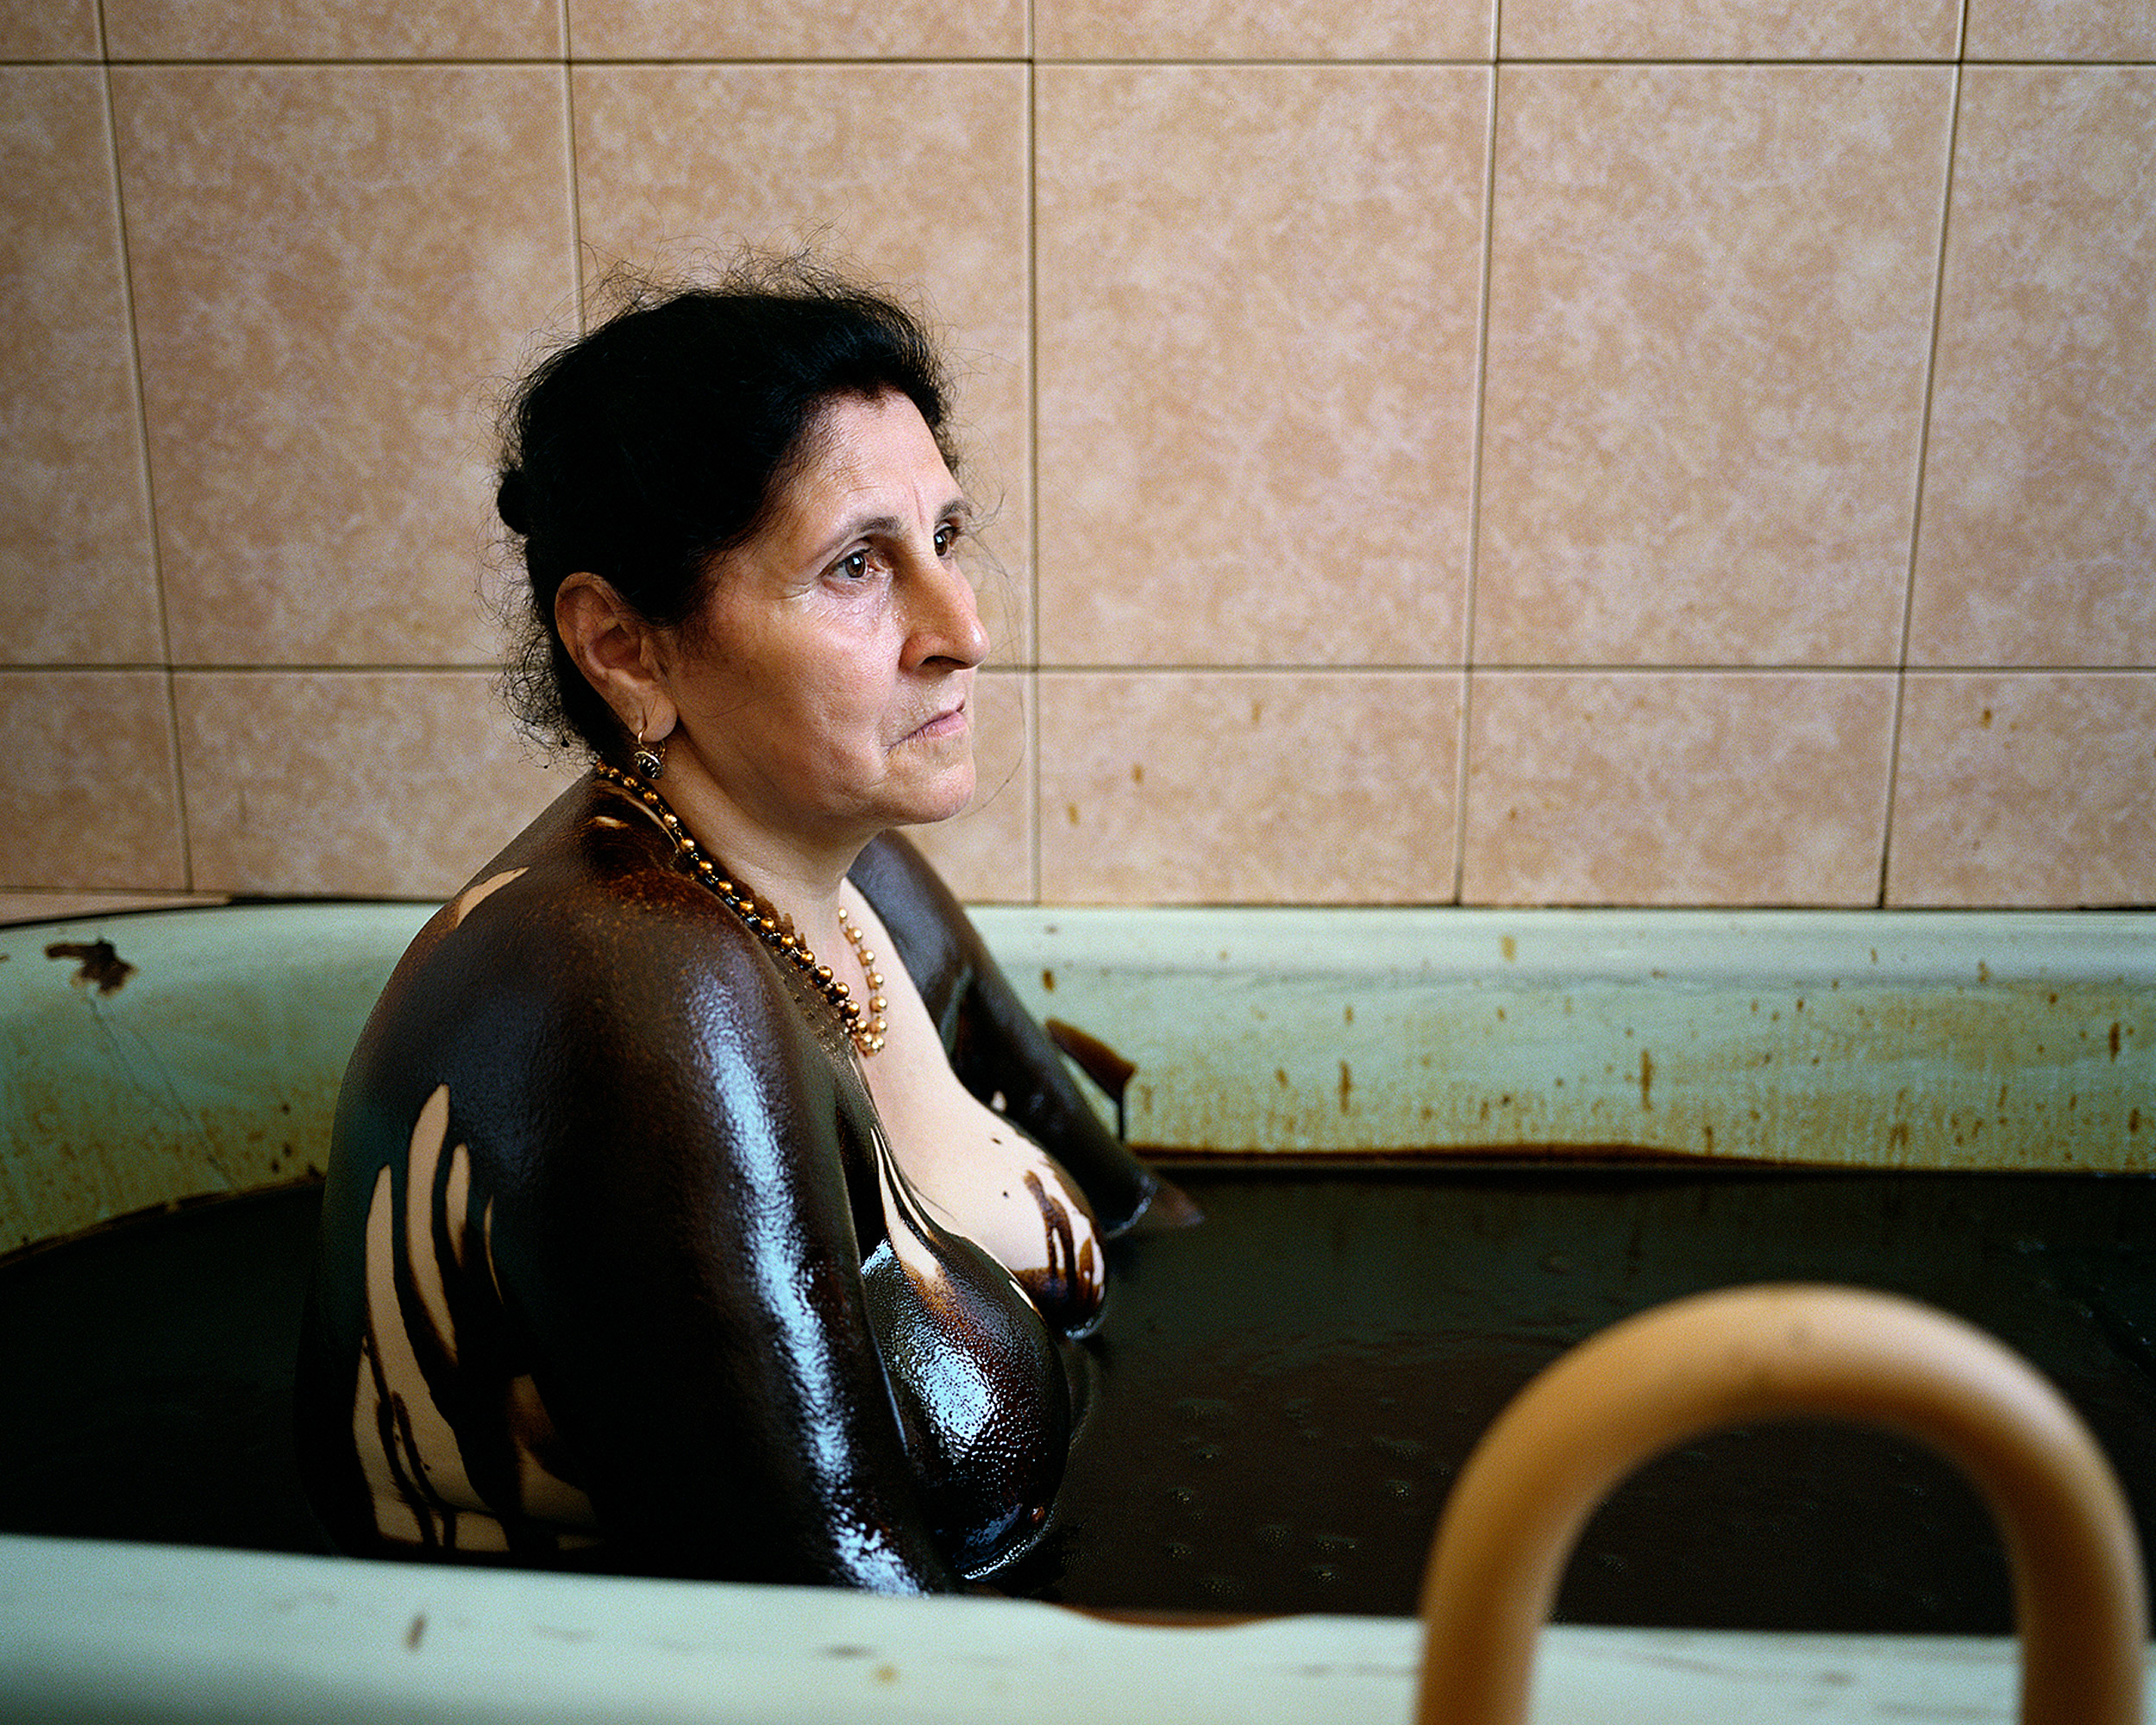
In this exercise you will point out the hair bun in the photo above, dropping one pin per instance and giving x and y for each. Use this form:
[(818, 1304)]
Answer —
[(512, 502)]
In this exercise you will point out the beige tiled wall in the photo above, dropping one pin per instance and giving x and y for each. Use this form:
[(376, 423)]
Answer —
[(1573, 451)]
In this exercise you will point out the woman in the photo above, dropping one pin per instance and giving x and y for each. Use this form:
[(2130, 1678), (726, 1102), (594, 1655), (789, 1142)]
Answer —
[(689, 1211)]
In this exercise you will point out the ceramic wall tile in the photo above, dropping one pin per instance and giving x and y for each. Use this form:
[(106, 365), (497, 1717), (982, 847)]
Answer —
[(1710, 317), (1673, 788), (1243, 787), (77, 581), (987, 853), (2038, 530), (2061, 30), (1729, 29), (335, 271), (1258, 305), (679, 166), (2030, 790), (1250, 29), (1258, 301), (379, 784), (86, 776), (788, 30), (334, 29), (49, 29)]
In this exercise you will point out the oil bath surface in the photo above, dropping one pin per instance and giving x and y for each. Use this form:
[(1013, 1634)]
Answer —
[(1282, 1396), (1289, 1390), (149, 1378)]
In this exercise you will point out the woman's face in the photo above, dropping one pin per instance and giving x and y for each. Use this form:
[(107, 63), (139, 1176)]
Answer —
[(826, 684)]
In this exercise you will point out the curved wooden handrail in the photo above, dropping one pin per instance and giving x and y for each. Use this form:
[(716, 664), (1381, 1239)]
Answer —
[(1745, 1355)]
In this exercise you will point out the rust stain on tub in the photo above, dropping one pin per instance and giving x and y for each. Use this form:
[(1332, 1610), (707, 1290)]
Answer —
[(1866, 1075), (86, 1142)]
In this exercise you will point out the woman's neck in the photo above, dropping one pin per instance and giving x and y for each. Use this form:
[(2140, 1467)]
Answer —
[(798, 874)]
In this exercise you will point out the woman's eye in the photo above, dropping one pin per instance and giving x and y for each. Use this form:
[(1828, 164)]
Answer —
[(852, 567), (946, 536)]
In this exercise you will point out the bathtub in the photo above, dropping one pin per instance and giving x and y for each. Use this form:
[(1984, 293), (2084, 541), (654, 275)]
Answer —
[(156, 1058)]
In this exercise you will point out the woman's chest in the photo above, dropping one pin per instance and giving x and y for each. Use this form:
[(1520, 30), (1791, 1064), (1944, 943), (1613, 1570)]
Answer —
[(976, 1175)]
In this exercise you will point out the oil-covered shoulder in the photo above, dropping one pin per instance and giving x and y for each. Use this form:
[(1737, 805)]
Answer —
[(587, 895), (579, 971)]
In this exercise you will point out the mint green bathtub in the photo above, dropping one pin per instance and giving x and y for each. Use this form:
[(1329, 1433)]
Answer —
[(156, 1057)]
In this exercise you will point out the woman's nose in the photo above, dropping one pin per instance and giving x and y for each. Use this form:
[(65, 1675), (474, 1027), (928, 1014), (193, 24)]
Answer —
[(945, 620)]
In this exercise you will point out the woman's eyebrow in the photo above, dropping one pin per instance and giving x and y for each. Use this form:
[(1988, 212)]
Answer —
[(960, 506)]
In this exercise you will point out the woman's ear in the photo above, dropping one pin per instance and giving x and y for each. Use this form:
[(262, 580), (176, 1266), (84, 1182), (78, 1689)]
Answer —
[(617, 651)]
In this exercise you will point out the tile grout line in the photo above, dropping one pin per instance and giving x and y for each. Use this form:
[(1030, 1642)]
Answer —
[(153, 62), (148, 471), (569, 144), (473, 667), (1500, 669), (1464, 731), (1032, 687), (1923, 476)]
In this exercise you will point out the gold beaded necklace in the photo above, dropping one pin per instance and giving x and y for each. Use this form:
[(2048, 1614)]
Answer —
[(864, 1030)]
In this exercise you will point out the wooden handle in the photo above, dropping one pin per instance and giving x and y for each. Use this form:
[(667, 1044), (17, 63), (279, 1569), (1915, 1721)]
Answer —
[(1749, 1354)]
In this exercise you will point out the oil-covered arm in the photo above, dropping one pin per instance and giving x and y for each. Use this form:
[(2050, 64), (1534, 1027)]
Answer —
[(695, 1274)]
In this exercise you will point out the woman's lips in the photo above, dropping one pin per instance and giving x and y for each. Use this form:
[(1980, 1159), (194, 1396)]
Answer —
[(952, 722)]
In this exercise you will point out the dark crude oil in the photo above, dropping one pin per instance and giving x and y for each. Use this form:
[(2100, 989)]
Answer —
[(1280, 1398)]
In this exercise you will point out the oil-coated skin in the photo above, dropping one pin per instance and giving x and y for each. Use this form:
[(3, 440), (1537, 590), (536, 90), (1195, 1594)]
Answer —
[(617, 1272)]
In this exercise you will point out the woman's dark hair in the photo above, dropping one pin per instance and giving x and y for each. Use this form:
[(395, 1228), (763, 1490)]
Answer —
[(665, 437)]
